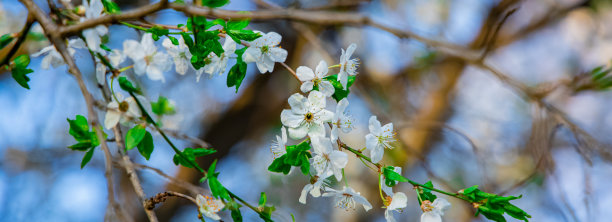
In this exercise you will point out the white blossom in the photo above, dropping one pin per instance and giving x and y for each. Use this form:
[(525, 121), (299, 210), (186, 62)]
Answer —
[(347, 199), (397, 202), (122, 110), (209, 207), (348, 66), (264, 51), (306, 116), (146, 57), (378, 139), (341, 120), (54, 58), (180, 53), (115, 58), (218, 64), (312, 79), (326, 158), (433, 212), (315, 186), (93, 35), (278, 147)]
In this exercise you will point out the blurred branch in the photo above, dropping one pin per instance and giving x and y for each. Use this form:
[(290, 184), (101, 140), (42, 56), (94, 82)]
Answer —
[(176, 181)]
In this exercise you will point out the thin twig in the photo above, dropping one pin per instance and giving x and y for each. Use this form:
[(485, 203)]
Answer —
[(22, 36)]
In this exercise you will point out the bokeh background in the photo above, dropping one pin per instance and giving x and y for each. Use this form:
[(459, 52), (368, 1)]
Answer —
[(456, 123)]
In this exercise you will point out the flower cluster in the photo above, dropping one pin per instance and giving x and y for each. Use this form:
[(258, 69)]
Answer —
[(204, 46)]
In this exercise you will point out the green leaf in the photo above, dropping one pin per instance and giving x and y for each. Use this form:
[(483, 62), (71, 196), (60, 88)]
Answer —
[(87, 157), (20, 76), (262, 199), (157, 31), (214, 3), (19, 70), (21, 61), (79, 128), (145, 147), (238, 24), (216, 188), (392, 177), (266, 213), (134, 136), (5, 40), (212, 23), (235, 210), (238, 71), (110, 6), (126, 85), (236, 215), (493, 206), (340, 93), (162, 107), (81, 146), (425, 193), (191, 154), (297, 155), (245, 34), (173, 40)]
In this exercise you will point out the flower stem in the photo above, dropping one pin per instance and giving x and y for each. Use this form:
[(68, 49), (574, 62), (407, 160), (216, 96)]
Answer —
[(334, 66)]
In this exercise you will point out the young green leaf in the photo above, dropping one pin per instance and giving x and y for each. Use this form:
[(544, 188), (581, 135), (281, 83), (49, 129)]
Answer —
[(134, 136), (145, 147), (19, 70), (191, 154), (238, 71), (216, 188), (126, 85), (339, 92), (110, 6), (5, 40), (20, 76), (162, 107), (214, 3), (297, 155), (87, 157), (79, 128), (493, 206), (262, 199)]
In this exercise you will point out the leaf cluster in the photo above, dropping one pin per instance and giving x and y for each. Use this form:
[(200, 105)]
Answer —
[(339, 91), (139, 137), (19, 70), (493, 206), (297, 155), (87, 140)]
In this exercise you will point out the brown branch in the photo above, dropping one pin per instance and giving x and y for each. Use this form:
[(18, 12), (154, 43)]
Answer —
[(161, 197), (129, 169), (50, 29)]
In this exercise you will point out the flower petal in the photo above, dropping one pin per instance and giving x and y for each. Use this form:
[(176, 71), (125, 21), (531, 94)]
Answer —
[(374, 126), (290, 119), (278, 54), (430, 217), (322, 69), (299, 132), (398, 201), (307, 86), (304, 73), (326, 88), (305, 191)]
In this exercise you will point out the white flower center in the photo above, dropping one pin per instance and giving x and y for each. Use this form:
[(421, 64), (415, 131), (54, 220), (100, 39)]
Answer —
[(346, 202)]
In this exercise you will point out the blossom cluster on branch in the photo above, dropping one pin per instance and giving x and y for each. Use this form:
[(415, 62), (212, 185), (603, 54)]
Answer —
[(202, 45)]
